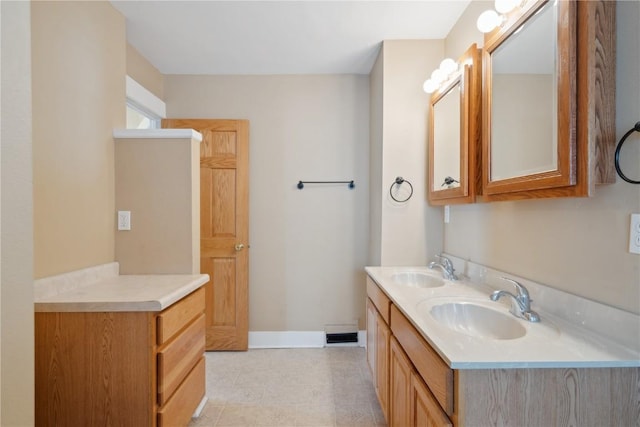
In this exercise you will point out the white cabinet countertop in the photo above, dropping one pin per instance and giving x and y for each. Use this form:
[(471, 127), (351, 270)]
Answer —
[(112, 292), (555, 342)]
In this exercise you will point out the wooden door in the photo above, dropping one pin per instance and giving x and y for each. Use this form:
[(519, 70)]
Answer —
[(224, 227)]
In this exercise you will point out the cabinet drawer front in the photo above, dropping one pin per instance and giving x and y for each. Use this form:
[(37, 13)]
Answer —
[(176, 317), (434, 371), (379, 299), (178, 357), (180, 408)]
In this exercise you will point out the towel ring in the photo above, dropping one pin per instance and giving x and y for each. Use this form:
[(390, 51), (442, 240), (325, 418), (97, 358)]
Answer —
[(399, 181), (636, 128)]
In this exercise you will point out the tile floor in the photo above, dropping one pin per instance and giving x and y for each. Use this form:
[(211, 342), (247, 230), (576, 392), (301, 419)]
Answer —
[(290, 387)]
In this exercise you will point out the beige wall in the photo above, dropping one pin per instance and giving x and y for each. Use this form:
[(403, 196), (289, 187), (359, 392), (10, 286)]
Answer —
[(142, 71), (308, 247), (16, 290), (579, 245), (412, 231), (375, 160), (79, 52), (158, 181), (464, 33)]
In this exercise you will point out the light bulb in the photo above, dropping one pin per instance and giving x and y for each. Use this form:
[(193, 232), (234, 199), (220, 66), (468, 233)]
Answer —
[(448, 66), (488, 20), (429, 86), (505, 6), (438, 76)]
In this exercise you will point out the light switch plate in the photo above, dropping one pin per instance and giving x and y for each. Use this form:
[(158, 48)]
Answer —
[(124, 220), (634, 234), (447, 214)]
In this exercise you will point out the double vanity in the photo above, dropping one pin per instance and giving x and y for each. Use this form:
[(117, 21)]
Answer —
[(442, 352), (119, 349)]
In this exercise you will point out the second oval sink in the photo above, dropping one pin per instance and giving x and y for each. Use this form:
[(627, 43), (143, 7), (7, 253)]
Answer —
[(477, 320), (417, 279)]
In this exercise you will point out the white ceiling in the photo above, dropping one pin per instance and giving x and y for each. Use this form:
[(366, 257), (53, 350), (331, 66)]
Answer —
[(278, 37)]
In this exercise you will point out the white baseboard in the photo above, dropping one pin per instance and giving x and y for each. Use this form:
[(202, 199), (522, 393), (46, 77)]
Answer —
[(297, 339), (200, 407)]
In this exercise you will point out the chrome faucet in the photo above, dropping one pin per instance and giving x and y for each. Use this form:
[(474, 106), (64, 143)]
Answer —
[(445, 264), (520, 304)]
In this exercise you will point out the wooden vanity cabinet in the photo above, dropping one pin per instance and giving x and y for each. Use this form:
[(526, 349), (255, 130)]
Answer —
[(403, 395), (120, 368), (425, 391), (378, 339)]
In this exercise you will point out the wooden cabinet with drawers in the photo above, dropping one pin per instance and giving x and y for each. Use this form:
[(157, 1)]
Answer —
[(424, 391), (121, 368), (180, 336)]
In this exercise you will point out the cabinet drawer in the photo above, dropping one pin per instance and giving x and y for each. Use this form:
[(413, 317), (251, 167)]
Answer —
[(379, 299), (433, 370), (176, 317), (178, 357), (180, 408)]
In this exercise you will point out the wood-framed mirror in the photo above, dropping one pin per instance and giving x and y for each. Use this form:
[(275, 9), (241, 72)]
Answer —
[(455, 134), (529, 100)]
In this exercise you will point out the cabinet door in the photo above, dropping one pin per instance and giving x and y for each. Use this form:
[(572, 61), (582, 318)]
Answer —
[(564, 153), (383, 335), (425, 410), (371, 339), (378, 335), (400, 386)]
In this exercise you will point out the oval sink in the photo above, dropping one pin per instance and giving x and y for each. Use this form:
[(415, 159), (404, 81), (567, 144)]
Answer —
[(478, 321), (417, 279)]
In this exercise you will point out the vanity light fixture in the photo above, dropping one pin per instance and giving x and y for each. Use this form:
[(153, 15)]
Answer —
[(440, 75), (490, 19), (505, 6)]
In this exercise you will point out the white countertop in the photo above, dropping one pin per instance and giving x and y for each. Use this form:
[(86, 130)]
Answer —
[(114, 292), (552, 343)]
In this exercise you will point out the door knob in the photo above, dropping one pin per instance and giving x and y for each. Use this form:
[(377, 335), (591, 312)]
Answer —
[(239, 247)]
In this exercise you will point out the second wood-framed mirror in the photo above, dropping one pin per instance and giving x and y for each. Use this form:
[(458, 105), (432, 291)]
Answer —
[(455, 134), (529, 101)]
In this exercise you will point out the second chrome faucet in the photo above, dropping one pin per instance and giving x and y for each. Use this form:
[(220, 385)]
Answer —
[(444, 264), (520, 304)]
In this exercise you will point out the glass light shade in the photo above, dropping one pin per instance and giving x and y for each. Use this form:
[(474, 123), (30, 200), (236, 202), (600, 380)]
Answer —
[(505, 6), (429, 86), (488, 20), (438, 76), (448, 66)]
